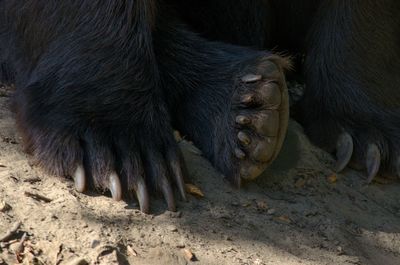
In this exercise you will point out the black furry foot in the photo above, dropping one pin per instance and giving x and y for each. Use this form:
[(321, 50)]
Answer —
[(127, 162), (370, 143), (240, 122)]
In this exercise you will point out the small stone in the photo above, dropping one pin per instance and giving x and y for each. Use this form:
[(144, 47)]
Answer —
[(4, 207), (271, 211), (300, 183), (325, 245), (172, 228), (227, 238), (258, 262), (262, 205), (94, 243), (340, 250), (189, 255), (131, 251), (180, 245), (174, 214)]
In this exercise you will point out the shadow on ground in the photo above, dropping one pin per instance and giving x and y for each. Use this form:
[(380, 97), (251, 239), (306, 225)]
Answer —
[(298, 212)]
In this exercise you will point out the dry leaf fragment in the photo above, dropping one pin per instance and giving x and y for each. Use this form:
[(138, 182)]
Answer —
[(300, 183), (189, 255), (177, 136), (4, 207), (262, 205), (131, 251), (283, 219), (194, 190)]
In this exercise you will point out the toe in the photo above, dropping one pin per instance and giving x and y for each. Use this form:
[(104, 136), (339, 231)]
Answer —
[(240, 154), (244, 138), (266, 123), (264, 150), (242, 120), (270, 95), (250, 171), (248, 99)]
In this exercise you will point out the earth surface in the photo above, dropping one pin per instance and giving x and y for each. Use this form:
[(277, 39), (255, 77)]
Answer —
[(298, 212)]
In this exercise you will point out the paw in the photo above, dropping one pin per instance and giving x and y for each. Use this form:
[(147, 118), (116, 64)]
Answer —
[(260, 111), (361, 145), (125, 162)]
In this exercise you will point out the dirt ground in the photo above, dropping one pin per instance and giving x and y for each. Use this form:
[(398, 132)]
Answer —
[(298, 212)]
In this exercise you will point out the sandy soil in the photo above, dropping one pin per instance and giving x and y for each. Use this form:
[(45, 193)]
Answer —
[(299, 212)]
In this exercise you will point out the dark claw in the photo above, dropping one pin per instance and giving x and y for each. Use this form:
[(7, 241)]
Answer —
[(167, 192), (244, 138), (247, 99), (250, 78), (80, 179), (373, 161), (176, 171), (142, 196), (344, 151), (242, 120), (239, 154), (115, 186)]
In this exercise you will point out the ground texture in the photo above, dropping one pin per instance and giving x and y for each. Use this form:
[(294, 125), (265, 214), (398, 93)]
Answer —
[(298, 212)]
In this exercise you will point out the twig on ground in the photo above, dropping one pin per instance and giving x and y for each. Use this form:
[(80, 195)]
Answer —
[(10, 232), (37, 196), (20, 248)]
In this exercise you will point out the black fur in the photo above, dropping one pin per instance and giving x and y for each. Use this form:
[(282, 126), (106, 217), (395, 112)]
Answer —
[(351, 65), (102, 83)]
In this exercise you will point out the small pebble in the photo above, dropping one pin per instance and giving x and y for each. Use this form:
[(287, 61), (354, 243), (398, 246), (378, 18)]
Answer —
[(94, 243), (4, 207), (172, 228), (340, 250), (227, 238)]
